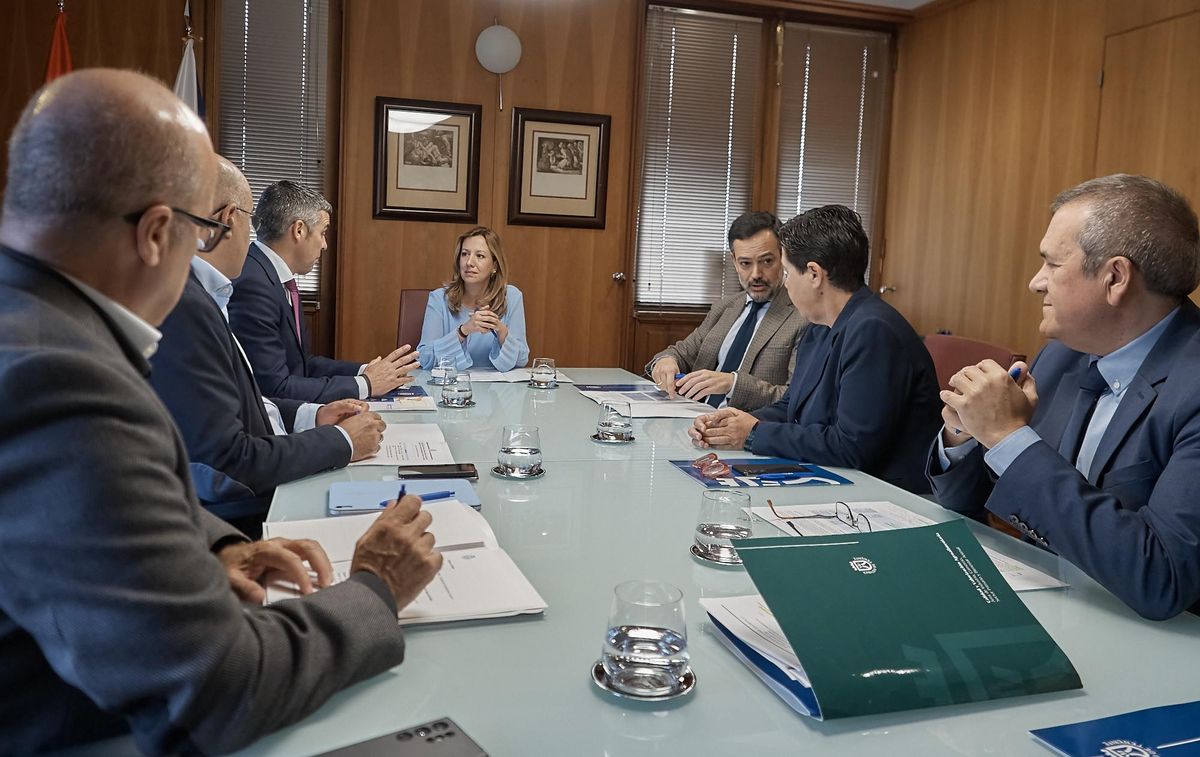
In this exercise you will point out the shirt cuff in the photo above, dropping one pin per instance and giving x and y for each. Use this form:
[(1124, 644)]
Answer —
[(306, 416), (949, 456), (1001, 456), (362, 386), (276, 418), (346, 435)]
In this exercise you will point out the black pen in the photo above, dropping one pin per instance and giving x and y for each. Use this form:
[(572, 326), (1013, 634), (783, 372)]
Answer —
[(793, 527)]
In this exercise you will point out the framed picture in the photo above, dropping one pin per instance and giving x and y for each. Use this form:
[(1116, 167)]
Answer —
[(559, 172), (426, 160)]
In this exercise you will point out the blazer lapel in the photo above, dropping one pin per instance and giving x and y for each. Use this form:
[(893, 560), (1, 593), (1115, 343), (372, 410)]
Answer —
[(781, 308), (722, 327), (281, 296), (813, 345), (1054, 424)]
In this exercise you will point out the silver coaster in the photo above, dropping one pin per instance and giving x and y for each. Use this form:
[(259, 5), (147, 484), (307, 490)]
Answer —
[(702, 555), (539, 386), (600, 678), (470, 403), (498, 472), (597, 438)]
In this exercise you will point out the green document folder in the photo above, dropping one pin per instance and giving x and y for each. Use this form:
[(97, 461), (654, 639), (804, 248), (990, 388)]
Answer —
[(903, 619)]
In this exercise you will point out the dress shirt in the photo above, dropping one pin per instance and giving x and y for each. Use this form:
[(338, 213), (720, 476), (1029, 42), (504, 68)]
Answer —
[(729, 337), (220, 288), (285, 275), (141, 335)]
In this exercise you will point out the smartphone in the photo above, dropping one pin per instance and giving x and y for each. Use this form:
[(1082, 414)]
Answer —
[(454, 470), (437, 738), (751, 469)]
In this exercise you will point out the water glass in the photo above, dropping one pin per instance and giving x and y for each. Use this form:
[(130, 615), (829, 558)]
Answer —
[(615, 423), (458, 393), (520, 451), (542, 374), (444, 372), (724, 516), (645, 647)]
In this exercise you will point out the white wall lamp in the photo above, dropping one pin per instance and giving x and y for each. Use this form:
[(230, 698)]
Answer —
[(498, 49)]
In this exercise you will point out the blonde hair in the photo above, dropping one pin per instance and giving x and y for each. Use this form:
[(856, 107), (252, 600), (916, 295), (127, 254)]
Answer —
[(493, 297)]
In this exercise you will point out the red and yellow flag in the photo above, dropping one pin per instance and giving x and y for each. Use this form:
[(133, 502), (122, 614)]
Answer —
[(60, 52)]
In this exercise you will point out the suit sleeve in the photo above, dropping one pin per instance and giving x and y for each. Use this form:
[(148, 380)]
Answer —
[(514, 353), (753, 392), (253, 316), (874, 373), (194, 376), (111, 573), (685, 350)]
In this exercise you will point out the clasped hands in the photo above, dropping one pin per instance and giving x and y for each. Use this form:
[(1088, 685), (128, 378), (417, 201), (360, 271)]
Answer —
[(482, 320), (986, 403), (695, 386), (364, 427), (725, 429)]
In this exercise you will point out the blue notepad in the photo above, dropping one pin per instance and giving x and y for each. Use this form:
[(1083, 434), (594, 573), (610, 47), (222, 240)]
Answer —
[(356, 497), (1170, 731)]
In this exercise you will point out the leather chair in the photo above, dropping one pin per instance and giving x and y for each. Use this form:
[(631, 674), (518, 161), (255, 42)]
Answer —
[(952, 353), (412, 316)]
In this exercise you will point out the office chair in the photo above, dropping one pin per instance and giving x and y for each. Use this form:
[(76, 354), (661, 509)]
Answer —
[(412, 316), (951, 353)]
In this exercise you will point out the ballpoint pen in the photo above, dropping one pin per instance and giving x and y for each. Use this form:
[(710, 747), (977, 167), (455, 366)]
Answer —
[(783, 476), (447, 494)]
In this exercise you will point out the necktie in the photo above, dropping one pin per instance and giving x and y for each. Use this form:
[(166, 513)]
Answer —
[(294, 292), (737, 350), (1090, 388)]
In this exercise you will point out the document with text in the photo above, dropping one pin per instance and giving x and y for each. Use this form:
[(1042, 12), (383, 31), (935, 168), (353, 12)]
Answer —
[(411, 444)]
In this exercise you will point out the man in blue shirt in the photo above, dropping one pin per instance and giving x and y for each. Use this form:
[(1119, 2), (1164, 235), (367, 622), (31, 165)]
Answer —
[(1094, 452)]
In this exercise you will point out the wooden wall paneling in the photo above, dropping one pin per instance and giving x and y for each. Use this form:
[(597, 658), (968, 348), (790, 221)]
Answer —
[(631, 325), (995, 106), (1125, 15), (654, 335)]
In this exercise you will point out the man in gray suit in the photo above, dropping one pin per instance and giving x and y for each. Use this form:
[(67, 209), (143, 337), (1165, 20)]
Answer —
[(743, 353), (120, 597)]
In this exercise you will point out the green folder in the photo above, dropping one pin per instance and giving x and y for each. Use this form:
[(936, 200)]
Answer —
[(903, 619)]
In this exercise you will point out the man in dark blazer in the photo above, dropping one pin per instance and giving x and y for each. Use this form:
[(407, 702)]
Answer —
[(1094, 453), (119, 594), (237, 442), (864, 393), (742, 354), (291, 222)]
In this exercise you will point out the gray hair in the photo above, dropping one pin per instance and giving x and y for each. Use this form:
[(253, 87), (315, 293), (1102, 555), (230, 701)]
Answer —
[(283, 203), (86, 147), (1141, 219)]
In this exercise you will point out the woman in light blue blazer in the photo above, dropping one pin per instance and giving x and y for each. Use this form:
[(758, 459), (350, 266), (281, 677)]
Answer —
[(477, 318)]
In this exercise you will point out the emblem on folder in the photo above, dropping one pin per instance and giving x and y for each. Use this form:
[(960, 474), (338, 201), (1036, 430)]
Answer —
[(1123, 748), (863, 565)]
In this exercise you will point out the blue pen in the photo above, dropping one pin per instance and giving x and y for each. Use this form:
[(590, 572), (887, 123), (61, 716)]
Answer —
[(679, 376), (782, 476), (424, 497), (1014, 373)]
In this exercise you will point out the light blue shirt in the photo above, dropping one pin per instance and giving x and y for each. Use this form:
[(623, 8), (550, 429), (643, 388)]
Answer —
[(220, 289), (729, 337), (1118, 369), (439, 335)]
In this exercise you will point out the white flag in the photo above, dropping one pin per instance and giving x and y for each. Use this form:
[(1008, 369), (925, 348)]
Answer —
[(186, 87)]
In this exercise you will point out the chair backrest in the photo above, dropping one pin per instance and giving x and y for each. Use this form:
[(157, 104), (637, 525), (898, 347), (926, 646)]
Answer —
[(952, 353), (412, 316)]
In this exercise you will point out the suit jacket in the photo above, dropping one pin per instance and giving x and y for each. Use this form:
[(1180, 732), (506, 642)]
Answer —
[(114, 612), (1133, 524), (767, 366), (260, 315), (864, 395), (203, 380)]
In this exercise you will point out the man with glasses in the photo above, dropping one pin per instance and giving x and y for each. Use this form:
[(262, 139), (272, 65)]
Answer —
[(239, 442), (119, 594), (292, 222)]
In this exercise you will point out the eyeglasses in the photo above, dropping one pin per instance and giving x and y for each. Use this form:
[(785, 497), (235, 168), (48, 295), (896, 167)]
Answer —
[(841, 511), (213, 230), (711, 466)]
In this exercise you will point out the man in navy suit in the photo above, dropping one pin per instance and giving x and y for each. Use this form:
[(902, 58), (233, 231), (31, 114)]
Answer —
[(291, 222), (238, 443), (1094, 453), (864, 392)]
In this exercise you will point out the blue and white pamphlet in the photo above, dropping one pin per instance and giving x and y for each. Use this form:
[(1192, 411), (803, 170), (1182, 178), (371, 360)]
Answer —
[(404, 398), (805, 474), (1168, 731)]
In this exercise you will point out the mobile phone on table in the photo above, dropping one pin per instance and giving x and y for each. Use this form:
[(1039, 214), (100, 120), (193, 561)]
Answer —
[(437, 738), (758, 469), (454, 470)]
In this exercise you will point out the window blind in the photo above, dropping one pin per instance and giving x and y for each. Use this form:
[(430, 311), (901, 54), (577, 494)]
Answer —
[(273, 70), (831, 119), (702, 97)]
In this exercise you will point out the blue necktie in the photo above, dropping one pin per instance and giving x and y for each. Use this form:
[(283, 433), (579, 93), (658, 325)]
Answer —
[(1090, 388), (737, 350)]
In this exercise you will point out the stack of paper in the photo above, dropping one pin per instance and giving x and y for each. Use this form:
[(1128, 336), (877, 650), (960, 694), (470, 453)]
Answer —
[(477, 580), (411, 444), (404, 399), (645, 400)]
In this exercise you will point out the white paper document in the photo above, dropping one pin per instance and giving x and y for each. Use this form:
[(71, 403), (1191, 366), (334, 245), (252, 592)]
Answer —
[(885, 516), (752, 621), (651, 403), (477, 580), (510, 377), (411, 444)]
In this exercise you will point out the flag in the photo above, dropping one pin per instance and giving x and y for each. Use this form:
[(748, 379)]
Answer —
[(60, 51), (187, 88)]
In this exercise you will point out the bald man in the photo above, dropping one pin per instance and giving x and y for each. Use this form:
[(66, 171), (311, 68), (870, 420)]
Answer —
[(120, 597), (242, 446)]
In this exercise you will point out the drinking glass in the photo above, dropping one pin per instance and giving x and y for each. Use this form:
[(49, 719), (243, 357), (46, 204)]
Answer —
[(615, 423), (723, 518), (645, 647), (542, 375), (458, 393), (520, 451), (444, 372)]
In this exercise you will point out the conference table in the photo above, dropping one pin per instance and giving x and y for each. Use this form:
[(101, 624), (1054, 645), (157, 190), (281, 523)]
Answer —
[(604, 514)]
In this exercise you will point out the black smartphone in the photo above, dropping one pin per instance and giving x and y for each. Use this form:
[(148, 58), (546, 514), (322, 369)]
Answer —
[(454, 470), (437, 738), (752, 469)]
